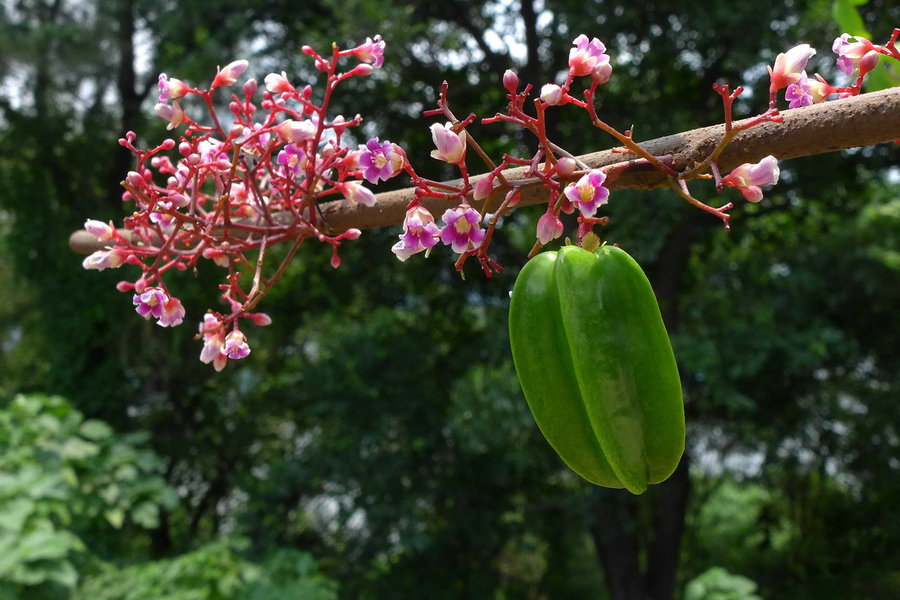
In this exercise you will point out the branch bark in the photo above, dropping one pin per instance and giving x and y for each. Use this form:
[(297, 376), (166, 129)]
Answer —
[(863, 120)]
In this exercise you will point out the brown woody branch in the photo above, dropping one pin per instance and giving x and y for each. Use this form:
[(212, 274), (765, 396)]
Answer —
[(863, 120)]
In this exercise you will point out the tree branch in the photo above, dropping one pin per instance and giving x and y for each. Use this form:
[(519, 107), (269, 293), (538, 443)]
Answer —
[(863, 120)]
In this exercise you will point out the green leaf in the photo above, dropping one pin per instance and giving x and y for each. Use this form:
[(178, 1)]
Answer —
[(14, 514), (146, 514), (95, 430), (847, 17)]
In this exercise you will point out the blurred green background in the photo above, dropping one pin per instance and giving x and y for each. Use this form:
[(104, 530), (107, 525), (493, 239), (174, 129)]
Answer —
[(376, 444)]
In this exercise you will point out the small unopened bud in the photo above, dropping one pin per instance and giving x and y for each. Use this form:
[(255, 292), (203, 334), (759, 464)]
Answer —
[(229, 74), (483, 188), (551, 94), (250, 87), (261, 319), (184, 149), (134, 179), (351, 234), (510, 81), (868, 61), (565, 166), (363, 70)]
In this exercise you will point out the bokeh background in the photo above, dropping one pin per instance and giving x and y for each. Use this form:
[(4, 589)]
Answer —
[(375, 444)]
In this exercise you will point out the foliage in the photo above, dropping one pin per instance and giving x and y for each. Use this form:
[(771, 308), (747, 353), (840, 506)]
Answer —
[(718, 584), (215, 571), (64, 480)]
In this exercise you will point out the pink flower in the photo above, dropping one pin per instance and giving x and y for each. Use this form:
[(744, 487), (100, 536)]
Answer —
[(549, 227), (372, 52), (462, 228), (419, 233), (230, 73), (171, 113), (379, 161), (748, 177), (789, 66), (150, 303), (297, 131), (104, 259), (588, 193), (278, 84), (172, 313), (588, 56), (103, 231), (213, 342), (170, 89), (451, 146), (236, 345), (850, 53), (292, 158), (357, 193)]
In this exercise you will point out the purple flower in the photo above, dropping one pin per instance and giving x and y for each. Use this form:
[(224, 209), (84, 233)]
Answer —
[(292, 158), (172, 313), (849, 53), (462, 228), (371, 52), (236, 346), (419, 233), (798, 94), (588, 193), (379, 160), (150, 303)]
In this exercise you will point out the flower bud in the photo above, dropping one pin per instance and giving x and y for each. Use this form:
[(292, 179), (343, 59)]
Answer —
[(551, 94), (565, 166), (229, 74), (510, 81)]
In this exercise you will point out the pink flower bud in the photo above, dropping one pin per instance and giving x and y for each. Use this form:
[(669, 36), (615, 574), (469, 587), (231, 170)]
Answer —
[(134, 179), (789, 66), (103, 231), (249, 88), (351, 234), (551, 94), (483, 188), (549, 227), (296, 131), (565, 166), (451, 147), (229, 74), (357, 193), (868, 62), (278, 83), (510, 81), (602, 73), (363, 70), (260, 319)]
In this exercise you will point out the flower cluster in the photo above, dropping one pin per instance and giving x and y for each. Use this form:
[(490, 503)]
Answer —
[(856, 57), (229, 191)]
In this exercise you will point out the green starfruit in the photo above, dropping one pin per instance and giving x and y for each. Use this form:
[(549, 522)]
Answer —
[(596, 366)]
